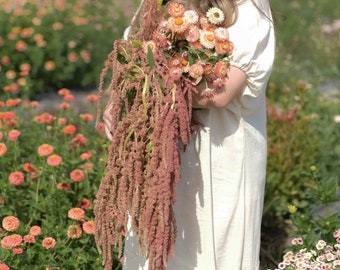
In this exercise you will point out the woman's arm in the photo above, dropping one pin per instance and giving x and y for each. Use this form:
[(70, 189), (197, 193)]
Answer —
[(236, 82)]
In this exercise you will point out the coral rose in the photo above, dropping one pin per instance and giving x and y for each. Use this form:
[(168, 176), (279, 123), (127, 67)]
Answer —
[(10, 223)]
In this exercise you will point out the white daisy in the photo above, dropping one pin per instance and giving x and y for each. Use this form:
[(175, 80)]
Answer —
[(207, 39), (191, 16)]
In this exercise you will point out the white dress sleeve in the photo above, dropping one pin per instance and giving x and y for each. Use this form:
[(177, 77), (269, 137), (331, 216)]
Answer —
[(254, 44)]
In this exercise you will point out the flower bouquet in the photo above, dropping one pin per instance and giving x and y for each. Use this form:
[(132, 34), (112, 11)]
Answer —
[(155, 72)]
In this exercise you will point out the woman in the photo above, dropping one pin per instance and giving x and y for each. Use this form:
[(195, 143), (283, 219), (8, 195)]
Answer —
[(220, 197)]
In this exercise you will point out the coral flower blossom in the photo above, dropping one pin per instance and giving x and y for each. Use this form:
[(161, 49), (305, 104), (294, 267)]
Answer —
[(70, 129), (221, 69), (45, 150), (17, 250), (84, 203), (11, 241), (224, 47), (54, 160), (10, 223), (21, 46), (35, 230), (74, 231), (76, 214), (77, 175), (69, 97), (3, 149), (44, 118), (4, 266), (176, 9), (16, 178), (62, 121), (64, 92), (79, 140), (196, 70), (64, 105), (64, 186), (29, 238), (48, 242), (50, 65), (86, 156), (88, 227), (92, 97), (13, 135), (192, 34), (87, 117)]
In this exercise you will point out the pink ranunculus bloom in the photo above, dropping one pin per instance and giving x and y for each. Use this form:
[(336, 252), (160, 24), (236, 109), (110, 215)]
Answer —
[(45, 150), (10, 223), (48, 242), (88, 227), (76, 214), (64, 105), (4, 266), (87, 167), (13, 135), (77, 175), (35, 230), (44, 118), (11, 241), (16, 178), (74, 231), (54, 160), (29, 238), (62, 121), (221, 69)]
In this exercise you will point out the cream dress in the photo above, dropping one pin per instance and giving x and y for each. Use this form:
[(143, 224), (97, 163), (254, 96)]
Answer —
[(220, 197)]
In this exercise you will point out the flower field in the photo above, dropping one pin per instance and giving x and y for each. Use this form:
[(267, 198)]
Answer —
[(52, 158)]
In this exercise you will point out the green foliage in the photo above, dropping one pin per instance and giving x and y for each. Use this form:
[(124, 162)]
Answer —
[(61, 43), (49, 191), (308, 37), (292, 146)]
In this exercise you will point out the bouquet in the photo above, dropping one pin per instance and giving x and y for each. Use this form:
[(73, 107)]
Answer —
[(155, 72)]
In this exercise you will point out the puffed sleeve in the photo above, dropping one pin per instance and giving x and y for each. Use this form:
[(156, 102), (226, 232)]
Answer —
[(254, 46)]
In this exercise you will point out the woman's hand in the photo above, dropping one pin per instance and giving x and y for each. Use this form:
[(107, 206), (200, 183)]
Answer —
[(235, 84), (108, 122)]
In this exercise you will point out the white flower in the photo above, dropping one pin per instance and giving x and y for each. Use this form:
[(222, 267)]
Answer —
[(215, 15), (207, 39), (191, 16)]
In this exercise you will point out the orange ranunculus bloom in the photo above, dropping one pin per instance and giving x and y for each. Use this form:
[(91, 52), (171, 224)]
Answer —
[(64, 92), (87, 117), (44, 118), (79, 140), (92, 97), (21, 46), (86, 156), (50, 65)]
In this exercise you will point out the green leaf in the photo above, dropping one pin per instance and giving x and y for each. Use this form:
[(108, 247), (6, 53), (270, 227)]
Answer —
[(150, 58)]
